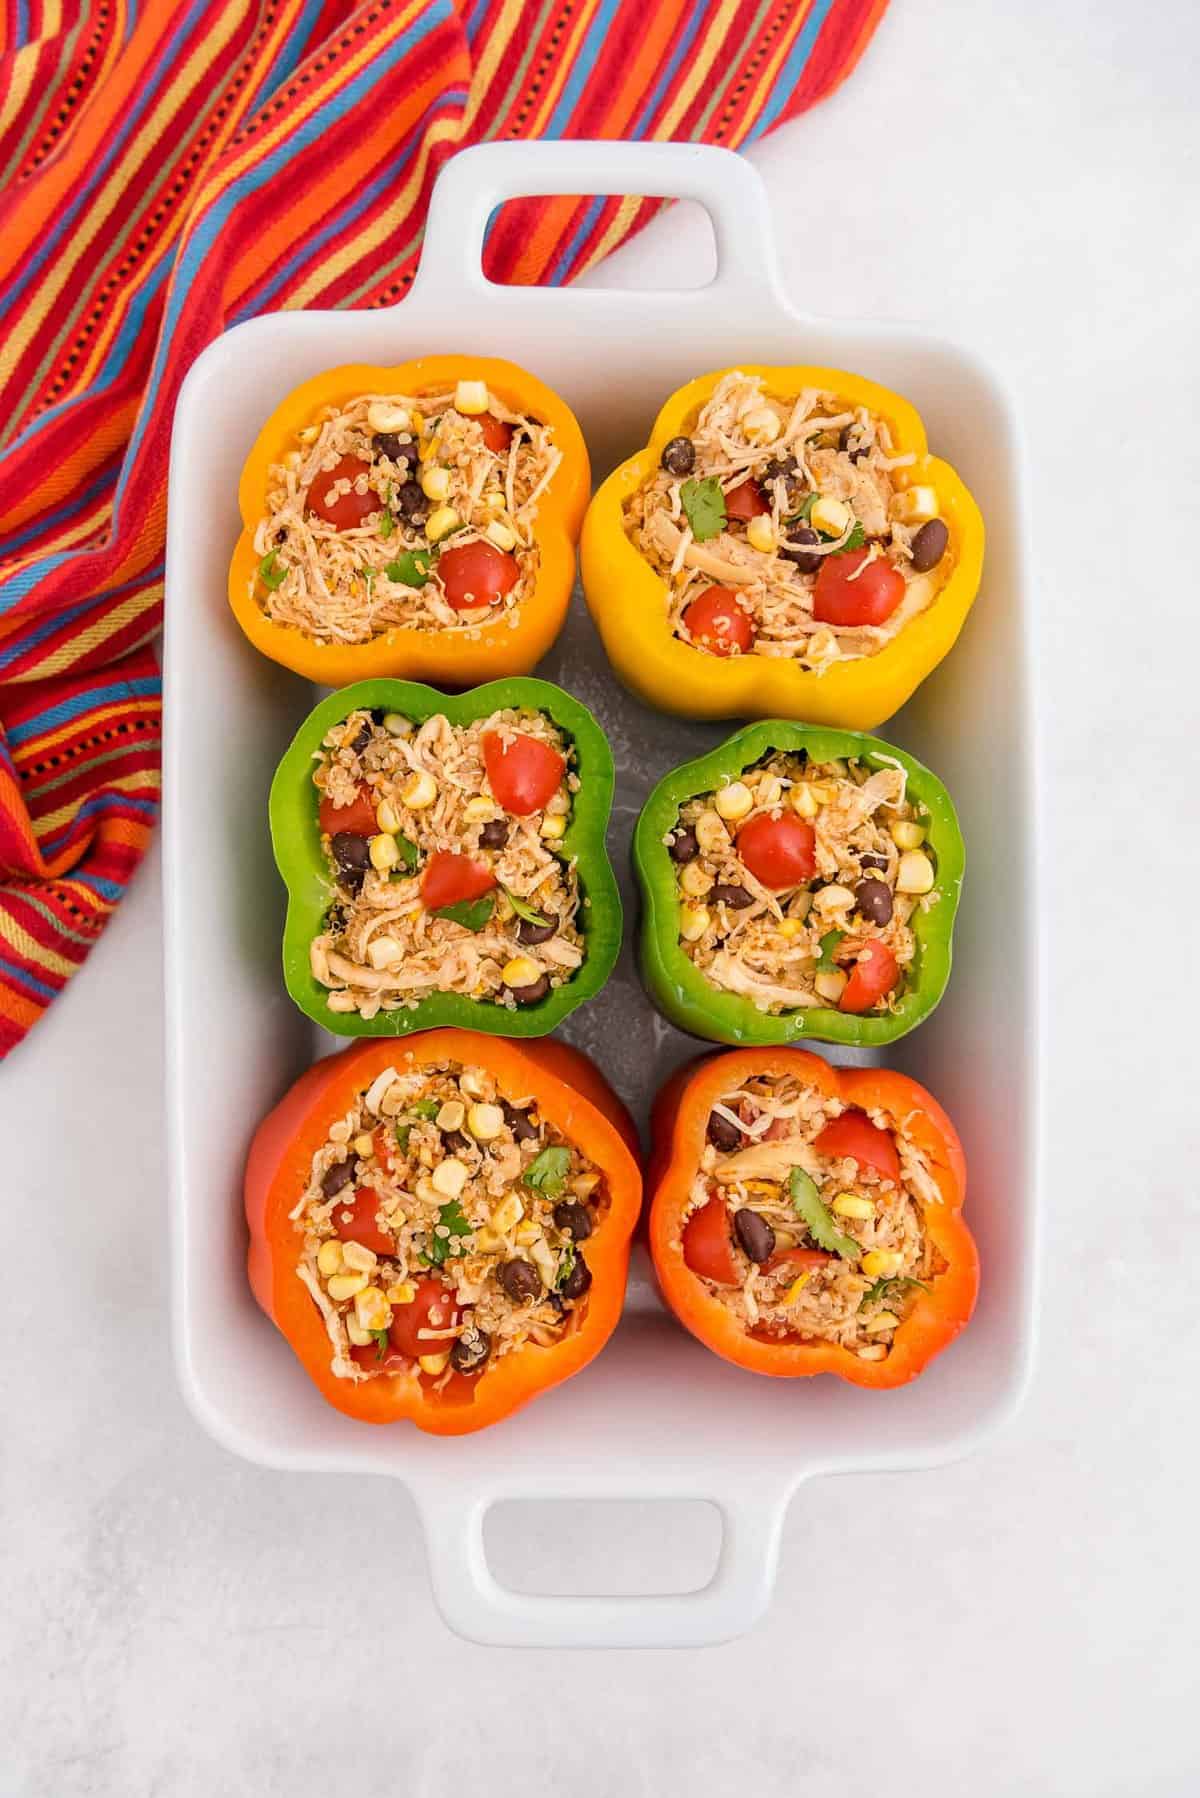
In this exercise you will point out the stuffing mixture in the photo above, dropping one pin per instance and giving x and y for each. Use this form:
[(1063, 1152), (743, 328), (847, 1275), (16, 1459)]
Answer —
[(444, 846), (404, 510), (806, 1218), (798, 883), (788, 528), (443, 1227)]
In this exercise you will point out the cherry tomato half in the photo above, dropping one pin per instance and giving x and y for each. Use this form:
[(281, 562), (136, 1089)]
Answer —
[(350, 508), (781, 852), (450, 877), (843, 597), (853, 1134), (707, 1245), (433, 1308), (496, 434), (358, 817), (478, 574), (355, 1220), (716, 622), (796, 1259), (871, 978), (745, 502), (524, 772)]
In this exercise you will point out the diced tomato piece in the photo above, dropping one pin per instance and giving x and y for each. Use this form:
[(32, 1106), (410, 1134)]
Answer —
[(524, 772), (795, 1259), (708, 1246), (716, 622), (450, 877), (358, 817), (496, 434), (872, 978), (842, 596), (433, 1308), (746, 502), (853, 1134), (356, 1220), (349, 509), (373, 1360), (478, 574), (781, 852)]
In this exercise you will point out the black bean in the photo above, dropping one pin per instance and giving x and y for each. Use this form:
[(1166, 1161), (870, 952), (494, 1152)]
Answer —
[(679, 456), (351, 852), (471, 1350), (929, 545), (573, 1219), (453, 1141), (339, 1175), (872, 861), (848, 434), (779, 468), (412, 502), (723, 1135), (755, 1234), (520, 1280), (494, 834), (532, 934), (874, 900), (804, 561), (532, 994), (387, 443), (684, 847), (736, 898), (519, 1122), (362, 737), (578, 1280)]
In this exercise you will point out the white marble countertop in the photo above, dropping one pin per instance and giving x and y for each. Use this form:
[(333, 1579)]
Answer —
[(178, 1624)]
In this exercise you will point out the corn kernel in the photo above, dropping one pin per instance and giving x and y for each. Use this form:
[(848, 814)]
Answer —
[(711, 834), (383, 852), (915, 505), (397, 725), (384, 417), (796, 1288), (451, 1115), (309, 434), (695, 880), (440, 523), (471, 397), (545, 1260), (882, 1264), (559, 803), (734, 801), (371, 1309), (831, 899), (553, 826), (760, 533), (346, 1286), (488, 1242), (402, 1292), (804, 801), (363, 1146), (831, 986), (492, 500), (849, 1204), (471, 1081), (790, 928), (882, 1320), (527, 1231), (384, 952), (520, 971), (507, 1215), (832, 517), (387, 817), (434, 1364), (329, 1258), (500, 534), (354, 1330), (761, 425), (359, 1258), (435, 482), (449, 1177), (419, 790), (906, 833), (693, 922), (915, 873), (874, 1351), (584, 1184), (485, 1122)]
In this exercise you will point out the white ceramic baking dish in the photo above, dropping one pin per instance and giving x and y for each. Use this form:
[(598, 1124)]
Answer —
[(656, 1416)]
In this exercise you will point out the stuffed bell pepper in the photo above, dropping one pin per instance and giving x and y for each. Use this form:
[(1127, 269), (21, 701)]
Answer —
[(417, 520), (785, 544), (441, 1229), (807, 1219), (445, 859), (798, 882)]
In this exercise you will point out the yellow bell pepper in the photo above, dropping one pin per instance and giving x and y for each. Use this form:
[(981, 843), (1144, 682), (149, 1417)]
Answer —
[(453, 658), (629, 599)]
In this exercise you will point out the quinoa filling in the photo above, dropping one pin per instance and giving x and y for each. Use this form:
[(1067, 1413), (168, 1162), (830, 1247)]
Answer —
[(786, 527), (799, 881), (443, 1227), (404, 510), (806, 1218), (443, 843)]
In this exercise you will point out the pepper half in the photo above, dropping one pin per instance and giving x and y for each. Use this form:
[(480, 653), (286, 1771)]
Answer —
[(570, 1092), (679, 1124), (678, 987), (296, 838), (456, 658), (628, 598)]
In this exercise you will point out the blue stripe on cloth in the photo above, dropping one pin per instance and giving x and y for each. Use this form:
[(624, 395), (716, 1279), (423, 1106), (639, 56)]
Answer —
[(688, 38), (22, 977), (561, 269), (145, 688), (793, 68)]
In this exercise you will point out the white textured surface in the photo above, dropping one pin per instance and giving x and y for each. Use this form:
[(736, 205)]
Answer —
[(177, 1623)]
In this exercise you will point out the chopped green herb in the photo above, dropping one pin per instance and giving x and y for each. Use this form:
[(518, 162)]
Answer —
[(828, 947), (523, 908), (882, 1289), (565, 1265), (368, 575), (547, 1172), (410, 855), (855, 540), (403, 1132), (425, 1108), (381, 1343), (817, 1218), (704, 505), (387, 523), (800, 515), (411, 568), (472, 914), (271, 572), (453, 1220)]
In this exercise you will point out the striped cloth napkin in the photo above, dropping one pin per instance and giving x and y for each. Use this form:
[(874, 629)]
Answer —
[(167, 170)]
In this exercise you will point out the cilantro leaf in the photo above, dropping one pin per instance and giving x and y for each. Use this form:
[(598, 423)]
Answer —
[(522, 907), (271, 572), (425, 1108), (450, 1217), (472, 914), (547, 1172), (855, 540), (800, 515), (817, 1218), (387, 524), (890, 1282), (410, 568), (368, 575), (381, 1343), (403, 1132), (409, 853), (828, 947), (565, 1265), (704, 505)]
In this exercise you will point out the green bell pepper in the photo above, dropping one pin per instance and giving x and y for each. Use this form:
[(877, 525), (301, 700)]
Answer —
[(295, 836), (679, 988)]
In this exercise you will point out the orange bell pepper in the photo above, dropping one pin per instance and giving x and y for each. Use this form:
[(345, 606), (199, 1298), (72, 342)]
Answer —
[(680, 1123), (569, 1092), (450, 658)]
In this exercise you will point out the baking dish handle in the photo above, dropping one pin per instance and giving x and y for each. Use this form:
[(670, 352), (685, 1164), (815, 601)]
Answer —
[(475, 1605), (475, 181)]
